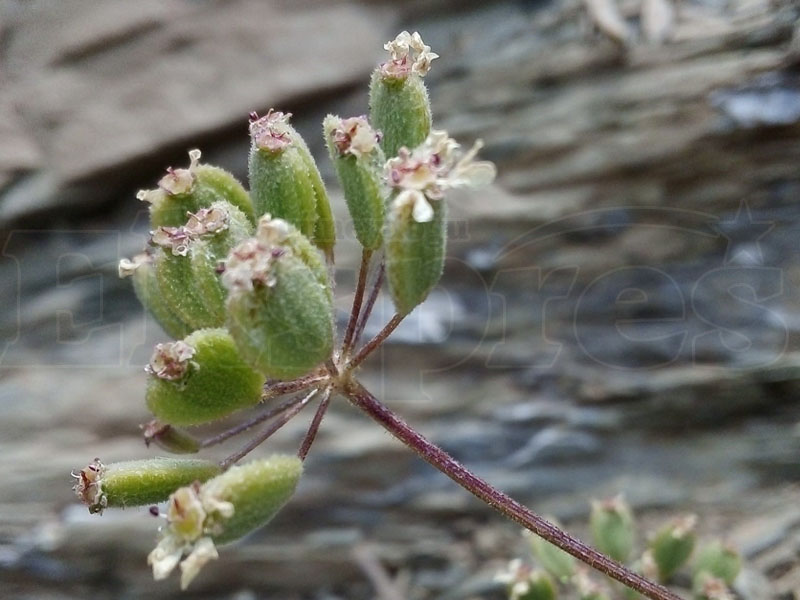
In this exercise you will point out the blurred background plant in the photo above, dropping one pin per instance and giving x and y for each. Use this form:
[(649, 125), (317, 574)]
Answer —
[(669, 556), (619, 310)]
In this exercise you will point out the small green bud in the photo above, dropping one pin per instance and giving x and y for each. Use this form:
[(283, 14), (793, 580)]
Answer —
[(359, 161), (183, 191), (145, 285), (612, 527), (398, 100), (169, 438), (672, 545), (137, 482), (200, 379), (222, 510), (284, 181), (280, 310), (416, 232), (709, 587), (526, 583), (720, 560), (554, 560)]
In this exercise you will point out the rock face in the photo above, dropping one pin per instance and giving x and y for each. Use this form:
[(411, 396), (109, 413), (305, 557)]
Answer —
[(99, 87), (619, 312)]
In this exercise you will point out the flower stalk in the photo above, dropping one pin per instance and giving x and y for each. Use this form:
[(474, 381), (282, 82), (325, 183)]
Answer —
[(501, 502)]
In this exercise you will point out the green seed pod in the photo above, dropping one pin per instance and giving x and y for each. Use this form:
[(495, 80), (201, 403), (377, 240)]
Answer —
[(414, 253), (416, 229), (169, 438), (222, 510), (280, 312), (187, 261), (175, 276), (215, 231), (145, 285), (672, 545), (720, 560), (554, 560), (398, 100), (277, 232), (613, 528), (183, 191), (258, 490), (200, 379), (281, 181), (137, 482), (359, 162)]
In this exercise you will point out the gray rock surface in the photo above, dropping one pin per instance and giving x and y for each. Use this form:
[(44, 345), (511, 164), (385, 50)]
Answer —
[(619, 312)]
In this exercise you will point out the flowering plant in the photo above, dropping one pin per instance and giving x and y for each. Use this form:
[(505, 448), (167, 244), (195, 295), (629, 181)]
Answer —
[(243, 281)]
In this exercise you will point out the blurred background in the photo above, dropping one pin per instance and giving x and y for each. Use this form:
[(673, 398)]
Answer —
[(619, 313)]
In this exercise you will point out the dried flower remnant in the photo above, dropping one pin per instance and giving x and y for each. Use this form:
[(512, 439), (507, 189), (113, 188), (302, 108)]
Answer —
[(206, 221), (191, 518), (408, 54), (175, 182), (431, 169), (89, 486), (170, 361), (174, 239), (355, 136), (128, 266), (250, 265), (271, 132)]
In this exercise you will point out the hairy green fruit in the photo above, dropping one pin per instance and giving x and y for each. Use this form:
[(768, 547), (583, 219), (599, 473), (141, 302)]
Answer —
[(216, 230), (200, 379), (137, 482), (176, 279), (612, 527), (186, 262), (183, 191), (359, 162), (414, 253), (145, 285), (400, 110), (222, 510), (257, 490), (285, 181), (279, 313)]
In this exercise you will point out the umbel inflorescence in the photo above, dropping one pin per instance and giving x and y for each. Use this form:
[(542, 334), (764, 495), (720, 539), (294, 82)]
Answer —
[(242, 280)]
